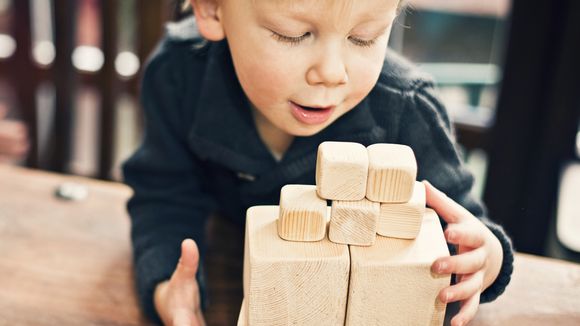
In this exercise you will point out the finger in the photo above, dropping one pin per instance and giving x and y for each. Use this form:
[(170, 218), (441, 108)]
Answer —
[(465, 263), (445, 207), (464, 289), (467, 311), (465, 234), (189, 261)]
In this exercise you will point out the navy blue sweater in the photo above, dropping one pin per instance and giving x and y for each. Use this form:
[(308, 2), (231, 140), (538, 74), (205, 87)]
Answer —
[(201, 151)]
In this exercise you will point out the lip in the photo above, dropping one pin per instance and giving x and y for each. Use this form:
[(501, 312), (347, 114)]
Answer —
[(316, 114)]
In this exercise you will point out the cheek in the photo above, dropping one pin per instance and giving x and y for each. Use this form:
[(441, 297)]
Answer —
[(267, 79), (366, 71), (364, 78)]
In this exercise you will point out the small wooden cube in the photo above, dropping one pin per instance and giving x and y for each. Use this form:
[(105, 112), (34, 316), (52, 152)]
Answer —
[(391, 281), (392, 173), (341, 171), (403, 220), (353, 222), (292, 283), (303, 215)]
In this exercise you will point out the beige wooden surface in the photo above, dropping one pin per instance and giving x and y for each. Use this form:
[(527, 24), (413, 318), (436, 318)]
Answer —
[(409, 295), (70, 264), (392, 173), (289, 282), (341, 170), (403, 220), (353, 222), (64, 263), (543, 291), (303, 215)]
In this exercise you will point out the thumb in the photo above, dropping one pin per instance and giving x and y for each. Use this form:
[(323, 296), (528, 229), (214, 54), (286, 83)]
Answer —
[(189, 260)]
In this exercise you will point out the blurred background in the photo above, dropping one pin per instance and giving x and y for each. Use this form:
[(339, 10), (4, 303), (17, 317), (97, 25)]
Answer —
[(507, 71)]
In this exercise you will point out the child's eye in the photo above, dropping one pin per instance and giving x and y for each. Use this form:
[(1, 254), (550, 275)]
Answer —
[(290, 39), (362, 43)]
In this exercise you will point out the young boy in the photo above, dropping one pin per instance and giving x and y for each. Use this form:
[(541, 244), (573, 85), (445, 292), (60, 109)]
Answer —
[(238, 110)]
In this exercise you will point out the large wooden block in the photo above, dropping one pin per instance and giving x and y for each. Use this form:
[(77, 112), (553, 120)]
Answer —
[(403, 220), (243, 316), (341, 171), (303, 215), (391, 282), (353, 222), (292, 283), (392, 173)]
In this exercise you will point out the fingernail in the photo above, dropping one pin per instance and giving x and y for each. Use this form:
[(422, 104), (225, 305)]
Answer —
[(442, 267), (448, 296)]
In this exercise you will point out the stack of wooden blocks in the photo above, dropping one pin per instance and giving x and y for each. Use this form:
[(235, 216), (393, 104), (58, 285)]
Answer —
[(295, 275)]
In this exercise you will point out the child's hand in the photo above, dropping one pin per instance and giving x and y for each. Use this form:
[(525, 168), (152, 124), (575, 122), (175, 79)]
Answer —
[(177, 301), (478, 260)]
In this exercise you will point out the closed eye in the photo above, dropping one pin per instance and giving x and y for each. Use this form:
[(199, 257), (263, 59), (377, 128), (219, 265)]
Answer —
[(290, 39), (361, 42)]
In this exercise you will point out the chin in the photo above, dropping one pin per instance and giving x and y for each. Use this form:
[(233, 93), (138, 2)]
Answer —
[(306, 131)]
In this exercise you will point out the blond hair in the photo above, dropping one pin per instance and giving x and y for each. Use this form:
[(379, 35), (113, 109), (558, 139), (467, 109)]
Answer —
[(186, 5)]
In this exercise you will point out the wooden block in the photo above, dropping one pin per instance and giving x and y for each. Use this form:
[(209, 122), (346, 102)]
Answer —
[(403, 220), (303, 215), (391, 282), (341, 171), (243, 317), (353, 222), (392, 173), (292, 283)]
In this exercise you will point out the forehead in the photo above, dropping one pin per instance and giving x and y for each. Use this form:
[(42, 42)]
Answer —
[(343, 10)]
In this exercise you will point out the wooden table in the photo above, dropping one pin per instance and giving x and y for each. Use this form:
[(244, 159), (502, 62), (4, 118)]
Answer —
[(69, 263)]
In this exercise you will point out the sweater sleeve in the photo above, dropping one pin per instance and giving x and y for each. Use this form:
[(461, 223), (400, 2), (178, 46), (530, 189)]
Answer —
[(169, 202), (426, 128)]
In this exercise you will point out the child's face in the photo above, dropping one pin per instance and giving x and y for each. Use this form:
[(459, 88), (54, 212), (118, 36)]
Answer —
[(304, 63)]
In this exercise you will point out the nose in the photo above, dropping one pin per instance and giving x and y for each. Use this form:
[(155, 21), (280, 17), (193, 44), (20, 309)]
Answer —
[(328, 70)]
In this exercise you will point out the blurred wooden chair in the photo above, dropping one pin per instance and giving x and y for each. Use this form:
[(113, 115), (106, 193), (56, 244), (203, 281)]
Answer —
[(64, 19)]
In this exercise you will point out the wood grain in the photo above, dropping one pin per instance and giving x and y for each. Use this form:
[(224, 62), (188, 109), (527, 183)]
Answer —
[(303, 215), (69, 263), (292, 283), (64, 263), (403, 220), (392, 173), (353, 222), (341, 171), (391, 282)]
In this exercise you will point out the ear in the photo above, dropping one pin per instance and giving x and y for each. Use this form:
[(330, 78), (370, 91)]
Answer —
[(208, 18)]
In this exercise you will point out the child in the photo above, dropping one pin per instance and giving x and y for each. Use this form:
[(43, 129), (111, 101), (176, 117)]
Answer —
[(238, 109)]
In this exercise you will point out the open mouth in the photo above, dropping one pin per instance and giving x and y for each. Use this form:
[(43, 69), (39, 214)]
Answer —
[(307, 108), (311, 115), (310, 108), (313, 108)]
